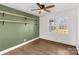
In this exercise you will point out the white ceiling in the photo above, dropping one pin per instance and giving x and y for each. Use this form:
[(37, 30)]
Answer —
[(26, 7)]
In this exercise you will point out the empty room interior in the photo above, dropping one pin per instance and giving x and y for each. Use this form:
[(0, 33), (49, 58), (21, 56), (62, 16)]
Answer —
[(39, 29)]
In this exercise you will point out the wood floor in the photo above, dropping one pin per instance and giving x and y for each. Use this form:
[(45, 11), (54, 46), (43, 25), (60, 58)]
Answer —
[(44, 47)]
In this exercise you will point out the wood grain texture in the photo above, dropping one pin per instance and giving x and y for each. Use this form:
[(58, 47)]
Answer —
[(44, 47)]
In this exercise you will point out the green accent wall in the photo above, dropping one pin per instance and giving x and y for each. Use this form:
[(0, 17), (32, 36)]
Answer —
[(9, 9), (14, 33)]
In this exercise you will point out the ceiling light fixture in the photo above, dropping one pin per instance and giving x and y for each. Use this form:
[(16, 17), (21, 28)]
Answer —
[(42, 10)]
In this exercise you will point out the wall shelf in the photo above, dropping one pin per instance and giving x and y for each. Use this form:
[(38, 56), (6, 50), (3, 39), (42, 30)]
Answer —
[(16, 15)]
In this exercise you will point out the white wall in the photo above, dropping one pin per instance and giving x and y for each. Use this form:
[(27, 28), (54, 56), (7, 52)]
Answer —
[(77, 30), (71, 18)]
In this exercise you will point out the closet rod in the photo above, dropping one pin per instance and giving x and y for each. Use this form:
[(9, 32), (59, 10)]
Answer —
[(15, 14), (15, 21)]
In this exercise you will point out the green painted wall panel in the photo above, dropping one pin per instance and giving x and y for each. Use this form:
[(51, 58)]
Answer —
[(9, 35), (13, 18), (12, 34), (1, 16)]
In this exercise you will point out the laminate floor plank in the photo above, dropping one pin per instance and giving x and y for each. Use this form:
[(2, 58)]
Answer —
[(44, 47)]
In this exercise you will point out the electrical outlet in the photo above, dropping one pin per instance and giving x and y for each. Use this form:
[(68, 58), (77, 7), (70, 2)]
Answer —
[(24, 40)]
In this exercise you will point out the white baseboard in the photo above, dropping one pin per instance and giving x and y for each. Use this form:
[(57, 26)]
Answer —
[(17, 46), (77, 49)]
